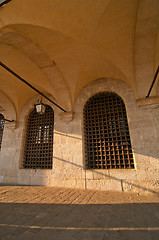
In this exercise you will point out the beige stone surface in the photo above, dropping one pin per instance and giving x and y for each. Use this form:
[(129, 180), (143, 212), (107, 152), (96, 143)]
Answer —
[(68, 149), (29, 212), (60, 48), (71, 50)]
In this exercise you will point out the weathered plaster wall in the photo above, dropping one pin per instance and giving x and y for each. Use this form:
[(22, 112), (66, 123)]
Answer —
[(68, 169)]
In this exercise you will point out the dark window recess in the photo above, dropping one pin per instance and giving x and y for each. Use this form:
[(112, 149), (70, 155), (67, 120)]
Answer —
[(106, 133), (1, 128), (38, 151)]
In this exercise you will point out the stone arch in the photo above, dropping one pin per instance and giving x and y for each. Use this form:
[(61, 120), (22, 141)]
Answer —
[(8, 111), (7, 108), (22, 123), (46, 64), (28, 107), (106, 84)]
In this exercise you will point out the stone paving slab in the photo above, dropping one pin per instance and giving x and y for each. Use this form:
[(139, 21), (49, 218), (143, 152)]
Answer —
[(34, 212)]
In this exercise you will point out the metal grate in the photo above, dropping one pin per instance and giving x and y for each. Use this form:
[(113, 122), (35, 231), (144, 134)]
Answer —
[(1, 128), (106, 133), (39, 140)]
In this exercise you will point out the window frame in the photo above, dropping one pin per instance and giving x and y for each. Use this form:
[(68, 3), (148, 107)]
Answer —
[(2, 123), (85, 145), (38, 158)]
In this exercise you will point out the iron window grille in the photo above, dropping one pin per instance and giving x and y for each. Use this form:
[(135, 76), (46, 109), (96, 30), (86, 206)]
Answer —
[(38, 151), (1, 128), (106, 133)]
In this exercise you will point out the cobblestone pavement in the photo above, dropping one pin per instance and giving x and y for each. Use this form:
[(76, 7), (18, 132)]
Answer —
[(33, 212)]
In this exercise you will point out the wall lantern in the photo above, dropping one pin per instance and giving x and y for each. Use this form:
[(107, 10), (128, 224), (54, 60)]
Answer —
[(40, 107)]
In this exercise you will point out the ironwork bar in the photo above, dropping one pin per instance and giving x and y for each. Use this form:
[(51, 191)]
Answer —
[(38, 150), (3, 2), (154, 79), (106, 133), (4, 119), (7, 120), (35, 89)]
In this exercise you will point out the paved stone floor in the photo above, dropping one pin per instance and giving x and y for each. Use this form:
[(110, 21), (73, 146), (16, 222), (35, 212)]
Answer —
[(42, 213)]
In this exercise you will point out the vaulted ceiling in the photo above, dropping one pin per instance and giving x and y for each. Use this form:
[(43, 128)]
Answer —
[(60, 46)]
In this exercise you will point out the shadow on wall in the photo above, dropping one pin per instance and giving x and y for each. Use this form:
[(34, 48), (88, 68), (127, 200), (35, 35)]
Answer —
[(107, 176), (143, 152), (79, 221), (67, 135)]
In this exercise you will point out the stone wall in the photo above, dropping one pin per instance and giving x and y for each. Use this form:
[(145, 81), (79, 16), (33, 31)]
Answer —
[(68, 152)]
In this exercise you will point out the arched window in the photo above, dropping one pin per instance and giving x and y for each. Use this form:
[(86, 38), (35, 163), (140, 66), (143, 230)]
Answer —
[(38, 151), (106, 133), (1, 128)]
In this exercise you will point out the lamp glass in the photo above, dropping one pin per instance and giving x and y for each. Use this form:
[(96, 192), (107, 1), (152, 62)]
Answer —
[(40, 108)]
